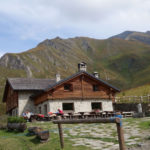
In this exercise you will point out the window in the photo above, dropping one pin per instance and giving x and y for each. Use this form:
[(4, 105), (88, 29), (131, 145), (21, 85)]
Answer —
[(96, 105), (13, 112), (16, 111), (68, 87), (68, 106), (95, 88), (40, 110), (45, 109)]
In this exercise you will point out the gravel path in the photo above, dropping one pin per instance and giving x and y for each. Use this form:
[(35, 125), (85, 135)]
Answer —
[(104, 136)]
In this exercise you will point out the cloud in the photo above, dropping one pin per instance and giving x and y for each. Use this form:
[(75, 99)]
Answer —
[(1, 54), (41, 19)]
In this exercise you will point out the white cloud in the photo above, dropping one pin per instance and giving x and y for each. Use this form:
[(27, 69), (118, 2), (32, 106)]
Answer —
[(40, 19), (1, 54)]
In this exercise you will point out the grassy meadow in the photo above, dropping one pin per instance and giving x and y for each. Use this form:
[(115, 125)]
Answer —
[(138, 91), (79, 136)]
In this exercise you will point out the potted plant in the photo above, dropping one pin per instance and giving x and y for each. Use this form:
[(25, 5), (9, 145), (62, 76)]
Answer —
[(16, 123)]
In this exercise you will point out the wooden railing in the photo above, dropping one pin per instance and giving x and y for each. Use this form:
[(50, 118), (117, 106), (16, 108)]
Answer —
[(133, 99)]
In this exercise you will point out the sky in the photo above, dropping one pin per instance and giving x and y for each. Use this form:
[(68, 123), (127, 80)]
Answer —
[(25, 23)]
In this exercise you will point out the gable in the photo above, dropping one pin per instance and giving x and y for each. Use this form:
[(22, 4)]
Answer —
[(81, 87), (81, 73), (10, 97)]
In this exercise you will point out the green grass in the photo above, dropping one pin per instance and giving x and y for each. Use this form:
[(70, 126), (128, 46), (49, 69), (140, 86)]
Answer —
[(144, 125), (138, 91), (22, 141), (134, 137), (106, 139)]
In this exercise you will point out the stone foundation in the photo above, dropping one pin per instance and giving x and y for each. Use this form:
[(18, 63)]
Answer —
[(79, 105)]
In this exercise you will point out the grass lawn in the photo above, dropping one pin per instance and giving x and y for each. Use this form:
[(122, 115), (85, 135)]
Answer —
[(23, 141), (78, 137)]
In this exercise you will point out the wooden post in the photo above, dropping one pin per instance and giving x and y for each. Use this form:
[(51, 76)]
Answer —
[(60, 132), (120, 136), (129, 99), (148, 98), (61, 135), (141, 99)]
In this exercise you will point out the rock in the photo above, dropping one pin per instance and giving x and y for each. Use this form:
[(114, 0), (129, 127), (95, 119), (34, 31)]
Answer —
[(34, 130), (43, 136), (138, 115), (17, 126), (3, 127)]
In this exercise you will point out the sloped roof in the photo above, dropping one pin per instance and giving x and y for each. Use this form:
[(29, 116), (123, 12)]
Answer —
[(30, 83), (77, 74), (45, 85)]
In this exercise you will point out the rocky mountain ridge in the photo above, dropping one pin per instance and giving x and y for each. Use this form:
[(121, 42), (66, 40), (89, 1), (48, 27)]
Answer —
[(143, 37)]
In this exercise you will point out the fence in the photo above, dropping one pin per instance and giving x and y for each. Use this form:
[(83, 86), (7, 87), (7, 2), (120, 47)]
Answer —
[(133, 99)]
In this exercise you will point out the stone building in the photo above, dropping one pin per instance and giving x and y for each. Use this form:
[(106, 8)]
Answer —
[(80, 92)]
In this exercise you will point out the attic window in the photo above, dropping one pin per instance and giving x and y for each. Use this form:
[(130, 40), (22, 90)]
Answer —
[(95, 88), (68, 87)]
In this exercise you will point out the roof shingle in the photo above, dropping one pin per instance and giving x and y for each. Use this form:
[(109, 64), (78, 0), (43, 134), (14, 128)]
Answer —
[(30, 83)]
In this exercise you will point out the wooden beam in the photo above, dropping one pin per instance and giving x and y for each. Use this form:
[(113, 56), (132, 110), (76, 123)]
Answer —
[(101, 120), (82, 87)]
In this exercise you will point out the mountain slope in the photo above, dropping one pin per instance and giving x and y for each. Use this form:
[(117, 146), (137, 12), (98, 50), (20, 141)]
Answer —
[(143, 90), (143, 37), (123, 63)]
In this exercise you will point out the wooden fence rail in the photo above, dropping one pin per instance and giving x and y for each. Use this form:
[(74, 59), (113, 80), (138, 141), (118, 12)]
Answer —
[(133, 99), (101, 120)]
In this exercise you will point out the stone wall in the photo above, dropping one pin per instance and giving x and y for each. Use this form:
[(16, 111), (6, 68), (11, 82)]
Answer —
[(15, 112), (131, 107), (79, 105), (25, 103), (42, 107)]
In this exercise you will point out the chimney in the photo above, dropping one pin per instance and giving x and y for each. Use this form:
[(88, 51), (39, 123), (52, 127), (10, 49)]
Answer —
[(82, 66), (58, 77), (96, 75)]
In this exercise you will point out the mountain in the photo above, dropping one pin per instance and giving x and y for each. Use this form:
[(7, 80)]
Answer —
[(123, 63), (143, 37)]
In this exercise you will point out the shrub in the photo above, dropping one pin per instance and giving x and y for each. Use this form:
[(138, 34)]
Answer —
[(3, 121), (16, 120)]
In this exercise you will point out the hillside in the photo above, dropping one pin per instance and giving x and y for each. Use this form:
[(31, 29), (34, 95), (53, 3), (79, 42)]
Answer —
[(143, 37), (143, 90), (123, 63)]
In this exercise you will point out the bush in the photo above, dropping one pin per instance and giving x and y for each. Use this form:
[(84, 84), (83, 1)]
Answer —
[(3, 121), (2, 108), (16, 120)]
